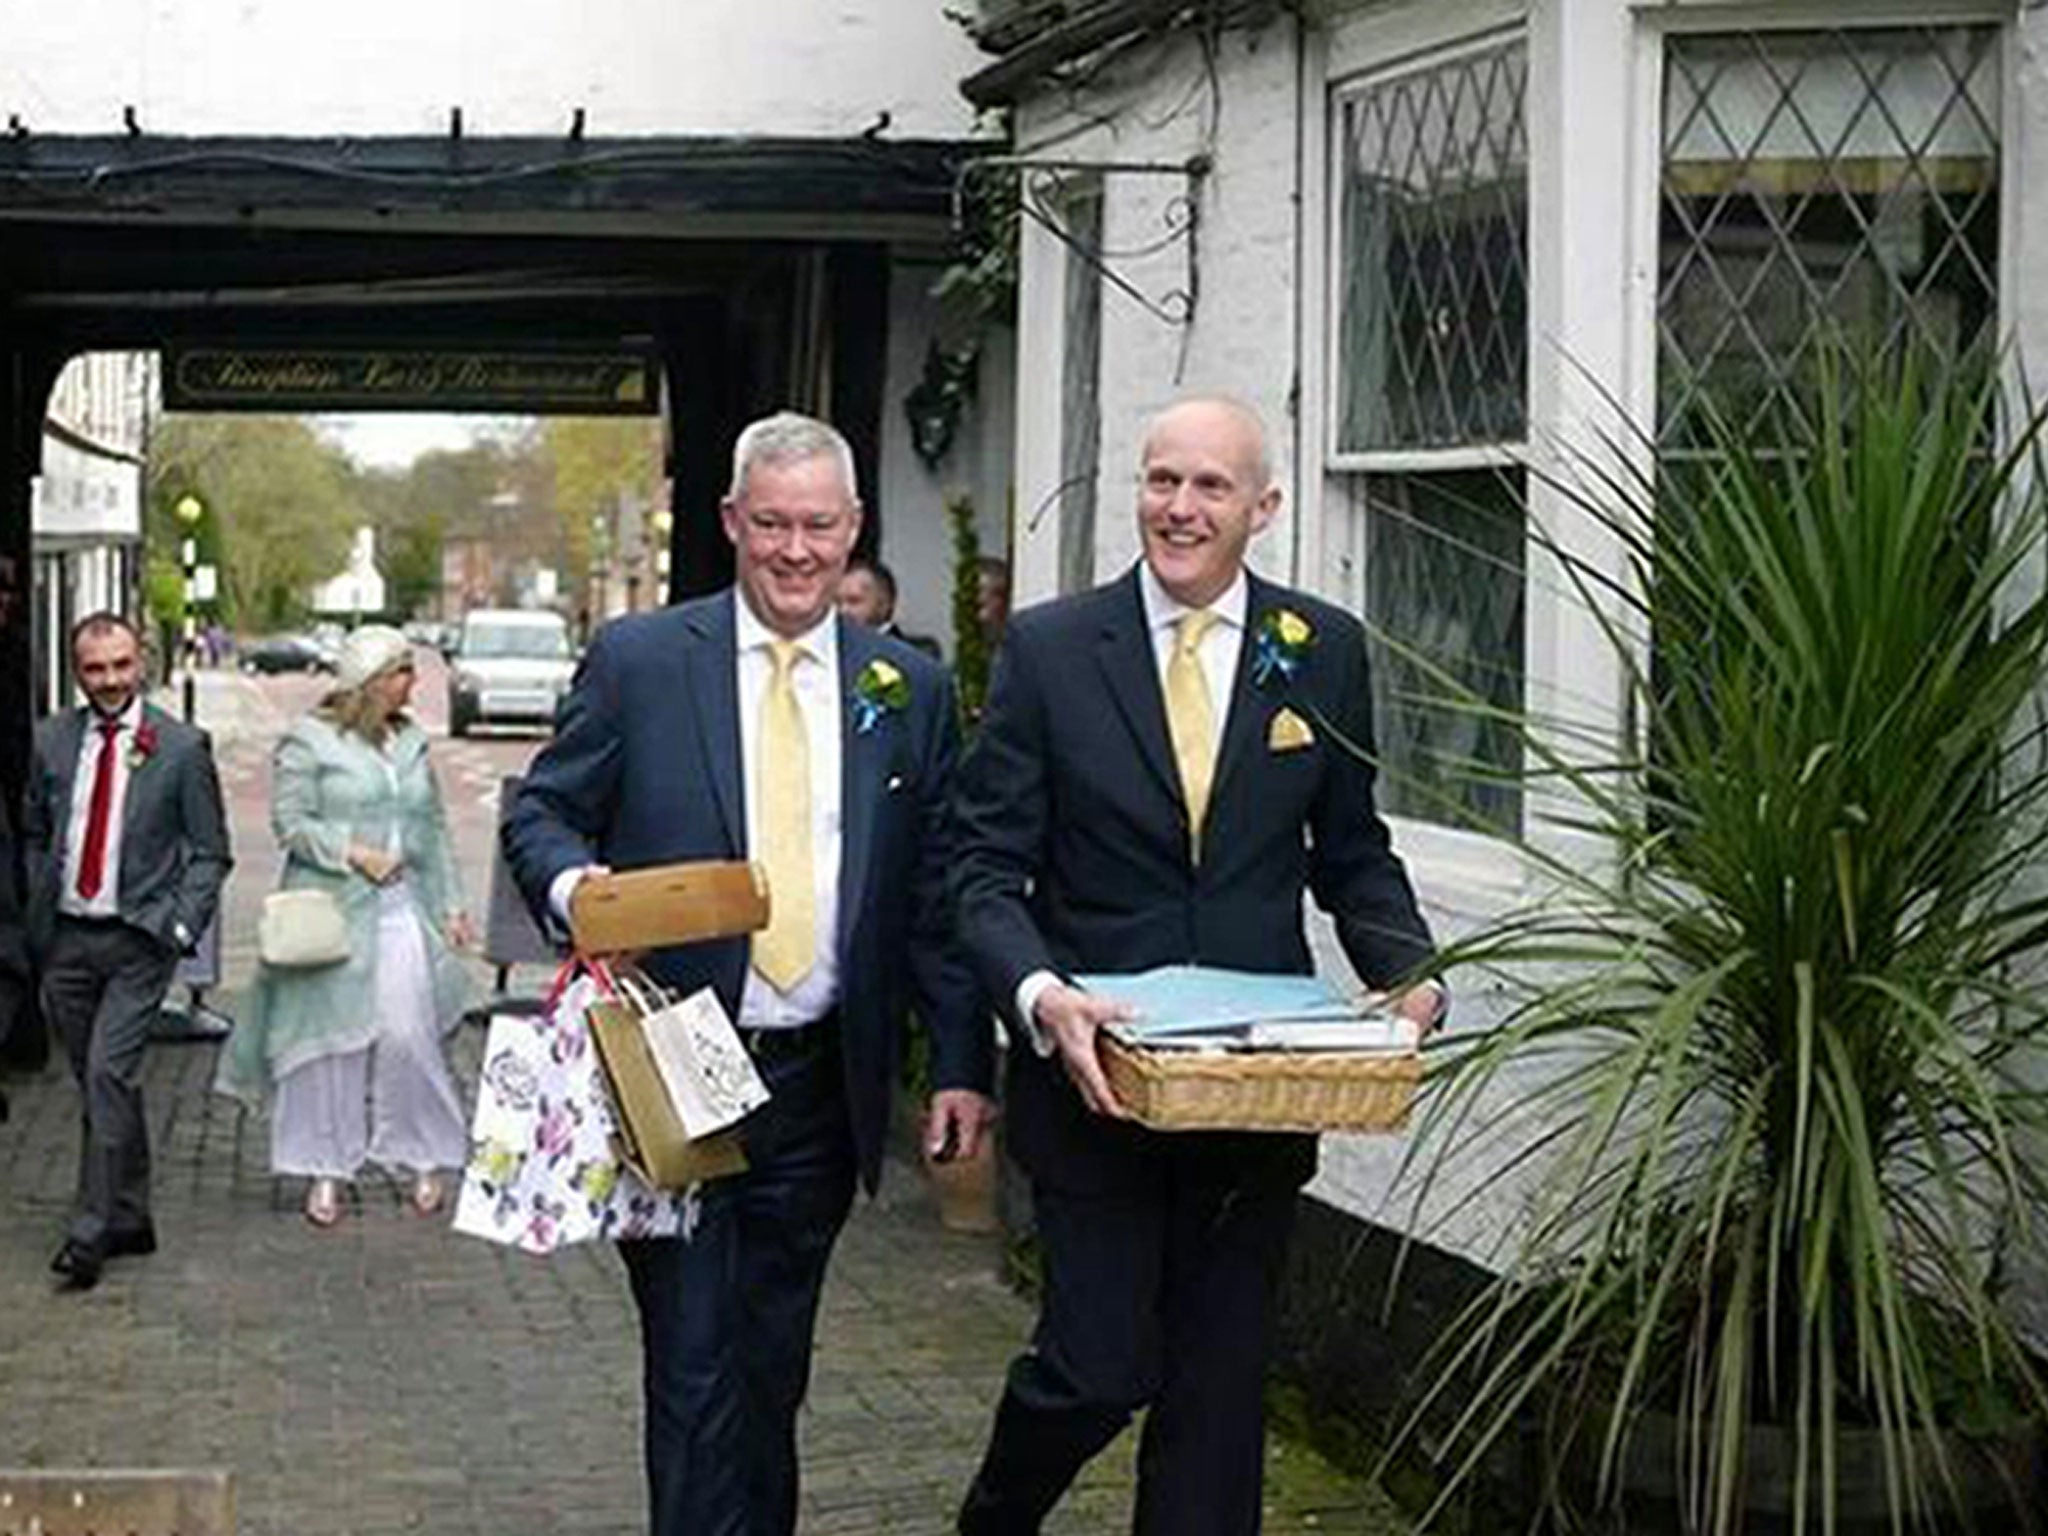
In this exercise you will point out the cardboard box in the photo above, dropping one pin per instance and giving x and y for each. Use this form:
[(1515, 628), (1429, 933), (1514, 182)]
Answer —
[(665, 904)]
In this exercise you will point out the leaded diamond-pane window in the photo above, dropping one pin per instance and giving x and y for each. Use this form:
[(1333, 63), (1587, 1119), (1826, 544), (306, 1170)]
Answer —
[(1433, 255), (1839, 181), (1444, 578)]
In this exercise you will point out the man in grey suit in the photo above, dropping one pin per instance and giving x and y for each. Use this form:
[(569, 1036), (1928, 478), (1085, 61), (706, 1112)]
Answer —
[(127, 847)]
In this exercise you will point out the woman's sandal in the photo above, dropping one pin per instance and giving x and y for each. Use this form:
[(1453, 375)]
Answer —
[(426, 1194), (323, 1202)]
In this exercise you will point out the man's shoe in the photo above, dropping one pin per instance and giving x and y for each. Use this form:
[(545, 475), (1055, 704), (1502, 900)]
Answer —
[(79, 1264), (138, 1242)]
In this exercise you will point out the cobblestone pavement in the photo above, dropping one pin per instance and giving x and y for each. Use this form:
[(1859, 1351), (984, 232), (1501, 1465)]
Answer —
[(388, 1376)]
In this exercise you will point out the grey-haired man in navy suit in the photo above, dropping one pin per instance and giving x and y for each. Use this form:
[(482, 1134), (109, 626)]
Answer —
[(754, 723)]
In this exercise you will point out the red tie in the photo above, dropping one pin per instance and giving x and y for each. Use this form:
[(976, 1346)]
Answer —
[(92, 863)]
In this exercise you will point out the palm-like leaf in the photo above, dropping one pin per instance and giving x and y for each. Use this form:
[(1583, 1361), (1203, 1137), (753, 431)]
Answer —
[(1782, 1135)]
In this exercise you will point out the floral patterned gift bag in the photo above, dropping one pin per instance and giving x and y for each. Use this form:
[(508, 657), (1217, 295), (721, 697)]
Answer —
[(542, 1171)]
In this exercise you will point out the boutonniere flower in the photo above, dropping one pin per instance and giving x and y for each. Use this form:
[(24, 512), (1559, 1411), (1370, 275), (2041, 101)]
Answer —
[(881, 689), (1280, 645), (141, 748)]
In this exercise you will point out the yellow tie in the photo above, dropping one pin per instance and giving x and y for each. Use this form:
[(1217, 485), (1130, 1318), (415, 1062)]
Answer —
[(785, 949), (1191, 718)]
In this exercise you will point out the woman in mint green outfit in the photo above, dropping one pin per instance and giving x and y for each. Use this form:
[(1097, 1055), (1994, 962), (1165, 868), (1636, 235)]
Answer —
[(353, 1052)]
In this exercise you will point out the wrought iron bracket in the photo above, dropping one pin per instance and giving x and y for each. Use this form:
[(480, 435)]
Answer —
[(1040, 184)]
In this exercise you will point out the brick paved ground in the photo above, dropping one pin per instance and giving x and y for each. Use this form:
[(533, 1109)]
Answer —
[(388, 1376)]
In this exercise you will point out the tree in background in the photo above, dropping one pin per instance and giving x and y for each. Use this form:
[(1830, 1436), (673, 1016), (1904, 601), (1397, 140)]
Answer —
[(283, 503), (599, 463), (443, 493), (281, 506)]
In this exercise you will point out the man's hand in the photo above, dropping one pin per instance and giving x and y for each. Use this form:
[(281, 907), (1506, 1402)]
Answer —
[(958, 1120), (1072, 1018), (459, 930), (374, 864), (1422, 1005)]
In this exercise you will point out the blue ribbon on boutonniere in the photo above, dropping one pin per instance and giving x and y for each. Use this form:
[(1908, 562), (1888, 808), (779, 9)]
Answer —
[(1281, 642), (881, 689)]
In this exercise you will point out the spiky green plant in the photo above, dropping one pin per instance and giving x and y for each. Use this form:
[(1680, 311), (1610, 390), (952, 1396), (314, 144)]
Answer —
[(1765, 1072)]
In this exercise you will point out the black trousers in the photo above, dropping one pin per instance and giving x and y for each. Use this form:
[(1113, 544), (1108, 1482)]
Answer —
[(727, 1314), (1157, 1296), (102, 984)]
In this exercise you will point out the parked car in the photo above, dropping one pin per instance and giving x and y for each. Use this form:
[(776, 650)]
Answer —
[(510, 664), (330, 638), (284, 653)]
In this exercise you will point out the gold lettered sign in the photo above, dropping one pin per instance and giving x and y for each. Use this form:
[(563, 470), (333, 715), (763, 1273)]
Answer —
[(403, 379)]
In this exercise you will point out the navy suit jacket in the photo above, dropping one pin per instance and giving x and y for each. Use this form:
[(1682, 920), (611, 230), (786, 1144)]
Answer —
[(645, 769), (1074, 849)]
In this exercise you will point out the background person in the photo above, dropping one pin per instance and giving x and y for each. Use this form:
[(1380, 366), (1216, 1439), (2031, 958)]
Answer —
[(1137, 797), (867, 595), (353, 1052), (126, 848), (753, 723), (992, 598)]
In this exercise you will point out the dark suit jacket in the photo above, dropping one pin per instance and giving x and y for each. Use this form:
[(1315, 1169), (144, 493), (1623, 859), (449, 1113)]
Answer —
[(645, 769), (14, 964), (174, 835), (923, 643), (1074, 843)]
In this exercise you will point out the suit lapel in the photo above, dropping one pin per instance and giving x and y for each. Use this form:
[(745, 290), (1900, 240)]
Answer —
[(714, 694), (861, 760), (1124, 652), (1241, 724), (137, 771), (65, 742)]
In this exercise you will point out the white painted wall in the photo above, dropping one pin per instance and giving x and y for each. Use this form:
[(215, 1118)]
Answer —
[(1245, 271), (287, 67), (917, 539)]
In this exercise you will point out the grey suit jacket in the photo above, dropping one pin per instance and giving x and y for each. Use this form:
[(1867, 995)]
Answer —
[(174, 834)]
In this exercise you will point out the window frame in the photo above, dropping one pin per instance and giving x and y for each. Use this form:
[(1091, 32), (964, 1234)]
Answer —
[(1654, 33), (1581, 369), (1463, 44), (1467, 872)]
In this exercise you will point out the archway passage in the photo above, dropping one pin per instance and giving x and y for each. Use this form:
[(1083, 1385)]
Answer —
[(755, 273)]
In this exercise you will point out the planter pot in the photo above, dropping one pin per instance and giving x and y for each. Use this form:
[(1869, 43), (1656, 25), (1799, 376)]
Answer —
[(966, 1189), (2001, 1480)]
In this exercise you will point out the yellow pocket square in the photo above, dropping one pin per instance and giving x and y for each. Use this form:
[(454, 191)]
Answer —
[(1288, 733)]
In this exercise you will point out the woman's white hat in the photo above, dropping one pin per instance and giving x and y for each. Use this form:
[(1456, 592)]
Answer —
[(369, 651)]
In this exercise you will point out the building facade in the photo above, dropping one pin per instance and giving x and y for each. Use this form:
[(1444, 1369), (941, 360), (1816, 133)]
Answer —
[(755, 194), (1448, 248), (87, 506)]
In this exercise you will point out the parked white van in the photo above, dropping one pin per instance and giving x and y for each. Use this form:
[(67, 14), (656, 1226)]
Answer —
[(510, 664)]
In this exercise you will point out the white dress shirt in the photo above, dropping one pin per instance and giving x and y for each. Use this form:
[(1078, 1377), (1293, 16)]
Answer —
[(106, 902), (1219, 652), (1221, 648), (816, 680)]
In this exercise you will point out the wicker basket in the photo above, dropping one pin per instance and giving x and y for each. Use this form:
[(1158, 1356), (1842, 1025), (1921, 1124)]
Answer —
[(1181, 1090)]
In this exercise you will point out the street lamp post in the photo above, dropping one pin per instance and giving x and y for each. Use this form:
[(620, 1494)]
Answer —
[(661, 521), (188, 511), (201, 969)]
